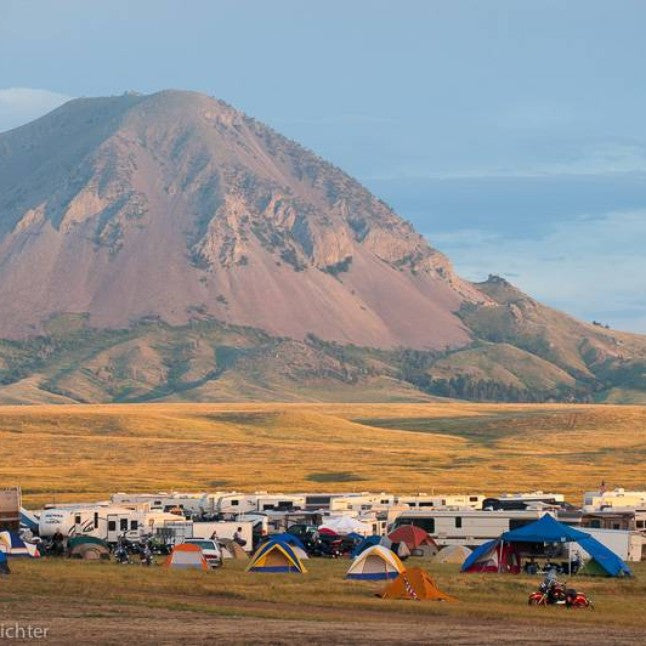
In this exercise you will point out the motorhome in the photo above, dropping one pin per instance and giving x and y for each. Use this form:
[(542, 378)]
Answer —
[(597, 500), (465, 526), (107, 522), (361, 502), (533, 500), (438, 501)]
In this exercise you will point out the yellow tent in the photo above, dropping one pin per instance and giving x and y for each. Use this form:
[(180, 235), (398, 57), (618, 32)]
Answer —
[(274, 556), (416, 584)]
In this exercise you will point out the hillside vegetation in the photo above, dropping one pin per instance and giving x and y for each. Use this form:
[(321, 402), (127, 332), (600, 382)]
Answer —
[(71, 452)]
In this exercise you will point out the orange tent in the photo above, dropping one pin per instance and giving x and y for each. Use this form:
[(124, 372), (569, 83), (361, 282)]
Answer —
[(186, 555), (414, 584), (415, 538)]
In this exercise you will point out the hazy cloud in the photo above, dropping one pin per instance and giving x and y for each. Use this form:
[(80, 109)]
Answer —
[(594, 268), (18, 105)]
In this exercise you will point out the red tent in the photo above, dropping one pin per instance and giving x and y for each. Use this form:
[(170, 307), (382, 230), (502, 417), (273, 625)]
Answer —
[(415, 538)]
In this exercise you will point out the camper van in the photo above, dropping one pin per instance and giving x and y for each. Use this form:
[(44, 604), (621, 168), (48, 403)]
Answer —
[(423, 501), (107, 522), (465, 526)]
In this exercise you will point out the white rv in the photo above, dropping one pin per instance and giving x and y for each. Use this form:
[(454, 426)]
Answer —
[(189, 503), (596, 500), (438, 501), (242, 503), (107, 522), (466, 526)]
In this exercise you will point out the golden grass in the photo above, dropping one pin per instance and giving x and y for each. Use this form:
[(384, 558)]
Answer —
[(70, 452), (231, 591)]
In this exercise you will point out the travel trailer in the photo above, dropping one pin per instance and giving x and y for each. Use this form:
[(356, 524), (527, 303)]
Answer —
[(188, 503), (438, 501), (616, 498), (107, 522), (465, 526), (242, 503), (361, 502), (534, 500)]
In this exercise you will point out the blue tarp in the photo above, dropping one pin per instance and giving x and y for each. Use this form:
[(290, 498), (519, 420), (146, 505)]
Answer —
[(605, 558)]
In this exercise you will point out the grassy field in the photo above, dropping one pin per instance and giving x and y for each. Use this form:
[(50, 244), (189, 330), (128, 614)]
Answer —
[(105, 602), (59, 453)]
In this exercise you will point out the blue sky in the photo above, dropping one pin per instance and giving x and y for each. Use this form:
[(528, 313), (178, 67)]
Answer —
[(510, 133)]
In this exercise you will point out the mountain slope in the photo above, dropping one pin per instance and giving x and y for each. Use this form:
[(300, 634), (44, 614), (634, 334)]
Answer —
[(170, 247), (177, 206)]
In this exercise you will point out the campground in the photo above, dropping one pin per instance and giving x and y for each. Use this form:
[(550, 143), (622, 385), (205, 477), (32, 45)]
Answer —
[(109, 603)]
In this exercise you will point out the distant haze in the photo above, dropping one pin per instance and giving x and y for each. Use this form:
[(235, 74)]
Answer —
[(510, 134)]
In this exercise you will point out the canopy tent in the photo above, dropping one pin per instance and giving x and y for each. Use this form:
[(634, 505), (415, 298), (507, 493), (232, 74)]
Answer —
[(453, 554), (186, 556), (346, 525), (275, 556), (416, 539), (415, 584), (502, 554), (377, 562), (12, 545)]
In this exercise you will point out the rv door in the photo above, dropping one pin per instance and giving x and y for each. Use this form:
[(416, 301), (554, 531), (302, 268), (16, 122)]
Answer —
[(117, 526)]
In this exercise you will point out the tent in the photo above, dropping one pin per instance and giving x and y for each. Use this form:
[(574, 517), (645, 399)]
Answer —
[(416, 584), (275, 556), (288, 538), (12, 545), (231, 550), (503, 554), (186, 556), (367, 542), (452, 554), (346, 525), (377, 562), (88, 548), (417, 540)]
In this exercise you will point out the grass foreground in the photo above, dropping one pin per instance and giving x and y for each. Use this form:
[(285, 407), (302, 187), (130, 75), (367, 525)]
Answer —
[(61, 453), (106, 601)]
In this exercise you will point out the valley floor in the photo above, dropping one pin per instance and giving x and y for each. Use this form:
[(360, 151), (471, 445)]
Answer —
[(70, 452)]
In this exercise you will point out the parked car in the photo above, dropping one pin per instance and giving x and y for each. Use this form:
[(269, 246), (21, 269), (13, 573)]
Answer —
[(210, 549)]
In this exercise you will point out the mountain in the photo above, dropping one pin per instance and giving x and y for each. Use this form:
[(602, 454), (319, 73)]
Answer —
[(168, 246)]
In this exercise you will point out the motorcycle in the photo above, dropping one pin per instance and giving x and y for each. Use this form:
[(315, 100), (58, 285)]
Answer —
[(553, 593), (145, 554), (121, 554)]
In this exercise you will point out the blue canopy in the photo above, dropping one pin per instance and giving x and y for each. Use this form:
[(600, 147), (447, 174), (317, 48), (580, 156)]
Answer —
[(545, 530), (548, 530)]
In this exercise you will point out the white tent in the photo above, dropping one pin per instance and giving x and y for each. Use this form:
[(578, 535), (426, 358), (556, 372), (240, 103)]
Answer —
[(346, 525), (377, 562), (452, 554)]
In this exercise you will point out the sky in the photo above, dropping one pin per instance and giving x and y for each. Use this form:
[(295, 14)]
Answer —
[(509, 132)]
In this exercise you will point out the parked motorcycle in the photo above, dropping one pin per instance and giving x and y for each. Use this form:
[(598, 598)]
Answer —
[(552, 593), (121, 554)]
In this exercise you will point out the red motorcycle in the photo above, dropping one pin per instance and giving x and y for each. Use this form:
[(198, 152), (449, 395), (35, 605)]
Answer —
[(553, 593)]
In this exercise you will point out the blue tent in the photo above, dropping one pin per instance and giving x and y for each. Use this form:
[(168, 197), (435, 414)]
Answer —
[(289, 539), (367, 542), (548, 530)]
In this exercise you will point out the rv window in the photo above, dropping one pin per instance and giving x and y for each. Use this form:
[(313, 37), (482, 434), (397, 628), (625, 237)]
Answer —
[(112, 525), (123, 524), (383, 502), (616, 526), (234, 503), (458, 521), (425, 504), (96, 519), (473, 498), (595, 523), (443, 503), (134, 524), (77, 520)]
